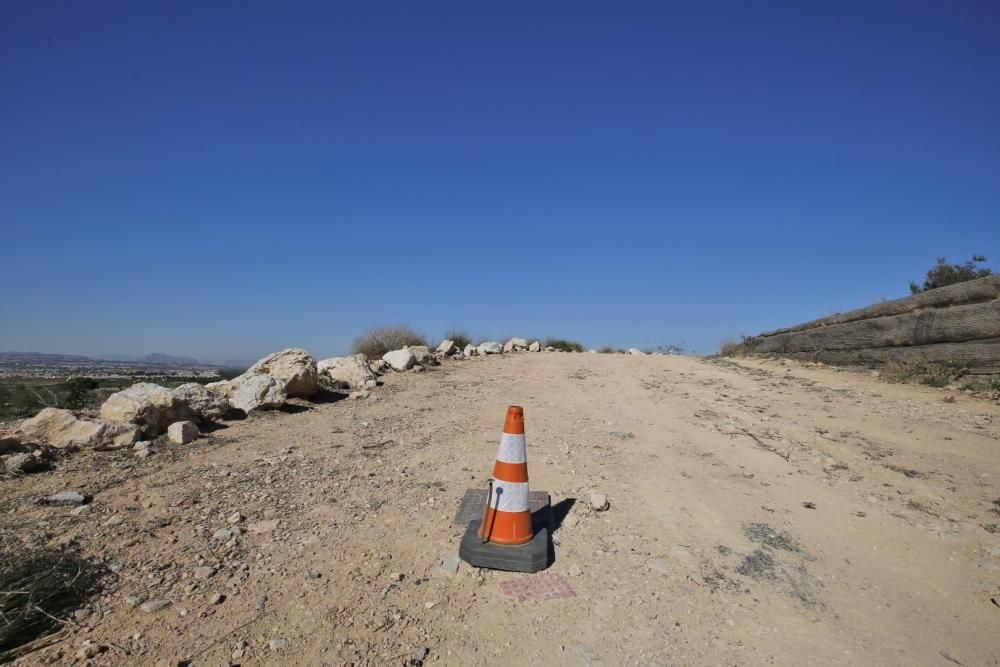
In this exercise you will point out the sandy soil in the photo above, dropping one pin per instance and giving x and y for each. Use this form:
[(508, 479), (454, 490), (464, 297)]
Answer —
[(761, 513)]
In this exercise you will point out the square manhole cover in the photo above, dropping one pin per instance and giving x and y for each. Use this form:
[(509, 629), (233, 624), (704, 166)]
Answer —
[(537, 588), (474, 502)]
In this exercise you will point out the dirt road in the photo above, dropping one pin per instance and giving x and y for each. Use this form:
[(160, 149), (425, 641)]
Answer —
[(761, 513)]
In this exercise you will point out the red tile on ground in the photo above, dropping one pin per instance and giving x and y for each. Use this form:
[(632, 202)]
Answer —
[(537, 588)]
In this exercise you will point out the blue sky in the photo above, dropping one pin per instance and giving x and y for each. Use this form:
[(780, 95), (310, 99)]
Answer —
[(225, 179)]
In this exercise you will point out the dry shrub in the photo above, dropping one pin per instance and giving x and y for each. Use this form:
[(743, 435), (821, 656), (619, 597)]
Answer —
[(564, 345), (459, 337), (933, 374), (747, 345), (40, 587), (376, 342)]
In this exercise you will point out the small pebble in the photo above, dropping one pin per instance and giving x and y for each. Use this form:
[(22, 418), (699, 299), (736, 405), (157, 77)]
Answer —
[(599, 502), (150, 606)]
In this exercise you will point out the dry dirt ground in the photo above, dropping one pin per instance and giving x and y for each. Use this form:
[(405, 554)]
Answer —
[(761, 513)]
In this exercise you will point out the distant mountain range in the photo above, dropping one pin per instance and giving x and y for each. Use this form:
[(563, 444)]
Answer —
[(154, 359)]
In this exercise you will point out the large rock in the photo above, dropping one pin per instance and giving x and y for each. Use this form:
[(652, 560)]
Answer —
[(515, 345), (635, 351), (182, 432), (257, 391), (422, 355), (400, 360), (203, 402), (350, 373), (470, 350), (447, 347), (63, 428), (149, 406), (490, 347), (295, 366), (535, 347)]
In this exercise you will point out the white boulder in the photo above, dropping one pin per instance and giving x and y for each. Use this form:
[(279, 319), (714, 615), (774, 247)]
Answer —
[(294, 366), (535, 347), (63, 428), (490, 347), (422, 355), (351, 373), (153, 408), (257, 392), (222, 387), (470, 351), (182, 432), (447, 347), (515, 345), (202, 401), (400, 360), (635, 351)]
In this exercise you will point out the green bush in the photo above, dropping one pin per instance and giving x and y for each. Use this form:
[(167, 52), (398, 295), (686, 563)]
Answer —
[(564, 345), (78, 392), (376, 342), (460, 338), (989, 386), (607, 349), (944, 273)]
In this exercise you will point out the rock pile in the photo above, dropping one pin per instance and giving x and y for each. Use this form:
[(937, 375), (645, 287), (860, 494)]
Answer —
[(270, 382), (152, 408), (135, 416)]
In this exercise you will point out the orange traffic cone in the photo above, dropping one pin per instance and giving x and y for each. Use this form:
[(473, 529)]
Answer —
[(507, 518)]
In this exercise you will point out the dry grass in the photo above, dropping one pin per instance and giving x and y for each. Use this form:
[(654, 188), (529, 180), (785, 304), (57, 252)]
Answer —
[(460, 337), (923, 372), (40, 587), (742, 348), (376, 342), (564, 345)]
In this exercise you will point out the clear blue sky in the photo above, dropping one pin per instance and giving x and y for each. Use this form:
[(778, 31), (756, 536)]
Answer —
[(225, 179)]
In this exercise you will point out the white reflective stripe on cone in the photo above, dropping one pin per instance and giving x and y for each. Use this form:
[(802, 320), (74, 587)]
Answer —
[(512, 449), (509, 496)]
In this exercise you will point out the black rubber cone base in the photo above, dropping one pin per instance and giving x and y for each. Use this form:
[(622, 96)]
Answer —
[(530, 557)]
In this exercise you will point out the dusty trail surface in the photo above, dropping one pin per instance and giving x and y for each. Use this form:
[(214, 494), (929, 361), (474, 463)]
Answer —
[(761, 513)]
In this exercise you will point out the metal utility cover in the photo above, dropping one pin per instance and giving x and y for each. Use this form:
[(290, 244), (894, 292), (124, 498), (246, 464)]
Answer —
[(474, 502)]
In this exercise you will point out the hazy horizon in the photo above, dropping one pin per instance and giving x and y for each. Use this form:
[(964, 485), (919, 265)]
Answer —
[(223, 181)]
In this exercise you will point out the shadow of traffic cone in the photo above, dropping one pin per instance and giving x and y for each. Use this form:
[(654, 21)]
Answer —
[(505, 538), (507, 519)]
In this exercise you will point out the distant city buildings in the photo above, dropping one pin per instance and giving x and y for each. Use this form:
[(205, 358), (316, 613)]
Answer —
[(57, 366)]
